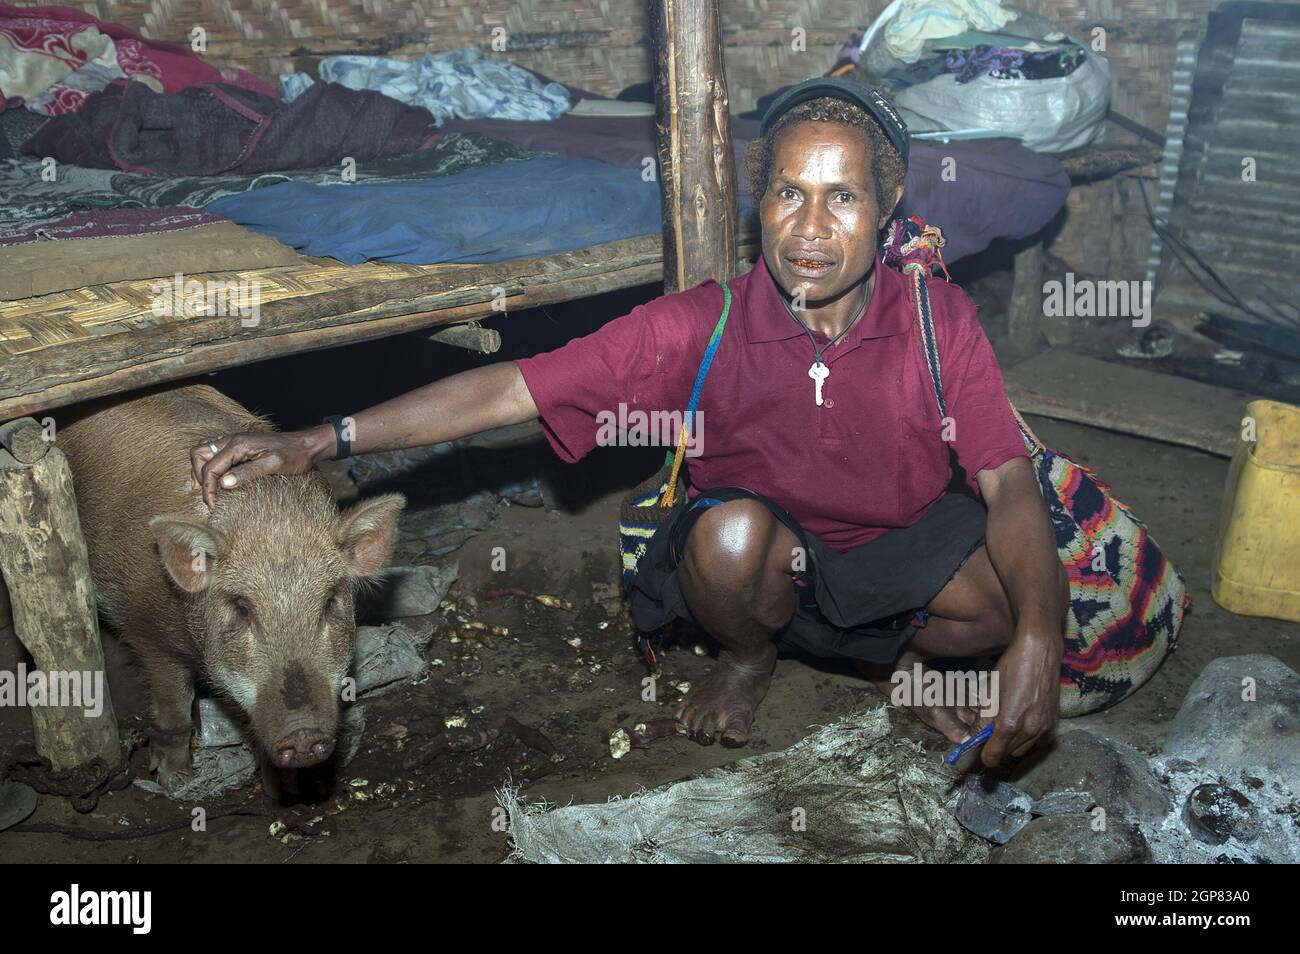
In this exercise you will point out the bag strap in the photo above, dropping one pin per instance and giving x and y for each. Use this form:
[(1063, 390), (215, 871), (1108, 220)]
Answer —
[(929, 342), (673, 459), (930, 345), (913, 247)]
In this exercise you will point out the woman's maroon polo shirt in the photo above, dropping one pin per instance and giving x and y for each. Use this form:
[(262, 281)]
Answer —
[(871, 457)]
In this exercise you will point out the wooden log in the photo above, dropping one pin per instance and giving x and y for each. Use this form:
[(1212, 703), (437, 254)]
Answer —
[(6, 613), (325, 40), (24, 439), (47, 571), (696, 168), (1105, 160), (470, 336)]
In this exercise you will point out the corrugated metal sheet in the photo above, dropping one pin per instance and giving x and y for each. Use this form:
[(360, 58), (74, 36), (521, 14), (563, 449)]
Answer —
[(1175, 132), (1244, 117)]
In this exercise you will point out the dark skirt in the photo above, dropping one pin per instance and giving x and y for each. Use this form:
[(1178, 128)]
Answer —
[(860, 604)]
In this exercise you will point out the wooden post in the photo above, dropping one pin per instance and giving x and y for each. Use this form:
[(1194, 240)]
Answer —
[(46, 568), (1025, 313), (10, 650), (6, 617), (697, 173)]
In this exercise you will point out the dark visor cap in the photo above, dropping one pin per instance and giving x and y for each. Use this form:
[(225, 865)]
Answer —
[(872, 100)]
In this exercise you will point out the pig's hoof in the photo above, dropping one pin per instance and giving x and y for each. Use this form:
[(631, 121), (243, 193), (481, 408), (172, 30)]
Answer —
[(172, 782), (174, 769)]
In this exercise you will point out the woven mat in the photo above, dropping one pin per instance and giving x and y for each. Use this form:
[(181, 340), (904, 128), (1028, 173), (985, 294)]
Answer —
[(30, 324), (44, 268)]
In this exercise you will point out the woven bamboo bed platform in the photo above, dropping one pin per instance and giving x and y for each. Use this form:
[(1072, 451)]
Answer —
[(95, 341)]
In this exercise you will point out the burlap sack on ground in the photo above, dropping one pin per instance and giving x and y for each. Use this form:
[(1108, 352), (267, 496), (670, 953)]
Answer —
[(851, 792)]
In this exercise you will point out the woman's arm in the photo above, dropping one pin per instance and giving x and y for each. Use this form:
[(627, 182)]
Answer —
[(1022, 549), (453, 407)]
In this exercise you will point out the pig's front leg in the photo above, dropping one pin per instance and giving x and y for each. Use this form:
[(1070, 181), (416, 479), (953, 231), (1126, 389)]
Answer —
[(172, 687)]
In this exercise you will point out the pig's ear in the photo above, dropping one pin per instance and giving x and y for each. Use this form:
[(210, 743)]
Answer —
[(366, 532), (188, 549)]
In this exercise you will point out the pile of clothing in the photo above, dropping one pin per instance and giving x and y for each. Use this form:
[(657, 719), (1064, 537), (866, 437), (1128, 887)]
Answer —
[(972, 54), (218, 129), (459, 84), (910, 24)]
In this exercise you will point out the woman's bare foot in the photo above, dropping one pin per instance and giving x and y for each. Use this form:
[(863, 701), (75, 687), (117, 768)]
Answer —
[(727, 699), (955, 723)]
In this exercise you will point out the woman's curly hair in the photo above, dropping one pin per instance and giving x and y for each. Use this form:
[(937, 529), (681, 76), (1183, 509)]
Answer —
[(886, 163)]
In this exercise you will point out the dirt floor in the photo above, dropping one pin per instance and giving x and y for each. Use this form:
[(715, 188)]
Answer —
[(574, 676)]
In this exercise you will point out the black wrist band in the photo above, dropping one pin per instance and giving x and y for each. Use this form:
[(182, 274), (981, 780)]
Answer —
[(342, 446)]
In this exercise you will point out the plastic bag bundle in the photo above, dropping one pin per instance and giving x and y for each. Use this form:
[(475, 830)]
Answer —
[(1053, 114)]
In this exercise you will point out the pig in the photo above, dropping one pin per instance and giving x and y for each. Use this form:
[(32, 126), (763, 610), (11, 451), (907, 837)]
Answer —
[(254, 598)]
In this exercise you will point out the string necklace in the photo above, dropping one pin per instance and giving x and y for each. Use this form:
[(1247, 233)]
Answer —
[(820, 371)]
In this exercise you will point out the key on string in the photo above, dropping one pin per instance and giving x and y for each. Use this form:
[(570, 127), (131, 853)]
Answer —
[(819, 373)]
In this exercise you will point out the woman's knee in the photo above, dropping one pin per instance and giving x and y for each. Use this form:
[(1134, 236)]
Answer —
[(738, 546)]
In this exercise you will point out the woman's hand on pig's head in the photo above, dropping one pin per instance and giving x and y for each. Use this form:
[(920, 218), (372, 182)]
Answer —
[(241, 457)]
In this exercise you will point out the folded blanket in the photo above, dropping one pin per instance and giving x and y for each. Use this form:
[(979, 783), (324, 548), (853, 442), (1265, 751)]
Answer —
[(510, 210), (104, 223), (216, 129), (1002, 190), (41, 268)]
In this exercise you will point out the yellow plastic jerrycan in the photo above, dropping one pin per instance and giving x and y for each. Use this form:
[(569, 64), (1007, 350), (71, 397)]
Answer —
[(1257, 551)]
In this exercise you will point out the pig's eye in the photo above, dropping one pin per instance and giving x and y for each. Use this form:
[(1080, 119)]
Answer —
[(242, 609), (330, 605)]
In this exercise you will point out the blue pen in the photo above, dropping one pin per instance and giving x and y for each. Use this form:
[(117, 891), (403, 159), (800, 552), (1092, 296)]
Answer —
[(979, 739)]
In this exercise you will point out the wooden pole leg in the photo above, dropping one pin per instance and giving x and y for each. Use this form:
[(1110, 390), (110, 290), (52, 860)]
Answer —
[(697, 171), (6, 624), (47, 572), (1025, 314)]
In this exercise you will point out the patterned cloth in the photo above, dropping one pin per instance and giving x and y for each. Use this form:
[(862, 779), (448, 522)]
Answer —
[(1007, 63), (16, 127), (460, 84), (106, 223), (69, 95), (26, 196), (54, 57)]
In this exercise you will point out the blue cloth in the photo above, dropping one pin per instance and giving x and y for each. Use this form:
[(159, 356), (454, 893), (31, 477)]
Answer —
[(514, 209), (460, 84)]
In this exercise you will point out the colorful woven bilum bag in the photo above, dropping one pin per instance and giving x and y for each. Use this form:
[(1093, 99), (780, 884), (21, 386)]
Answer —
[(647, 505), (1126, 600)]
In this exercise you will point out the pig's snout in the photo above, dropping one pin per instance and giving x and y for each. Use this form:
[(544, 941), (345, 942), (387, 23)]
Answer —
[(303, 747)]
